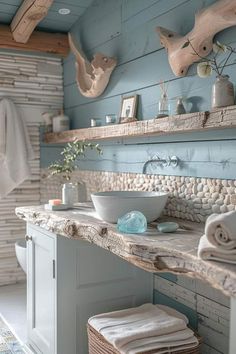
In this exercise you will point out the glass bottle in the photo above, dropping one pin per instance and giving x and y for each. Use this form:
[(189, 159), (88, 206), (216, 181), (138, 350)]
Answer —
[(163, 106)]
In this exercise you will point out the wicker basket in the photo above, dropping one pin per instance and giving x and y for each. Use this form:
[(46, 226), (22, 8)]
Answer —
[(99, 345)]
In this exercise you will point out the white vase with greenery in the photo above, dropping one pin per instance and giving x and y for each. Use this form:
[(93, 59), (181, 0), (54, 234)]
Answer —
[(223, 89), (68, 164)]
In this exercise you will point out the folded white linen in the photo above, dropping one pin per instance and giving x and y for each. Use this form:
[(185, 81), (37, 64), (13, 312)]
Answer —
[(220, 230), (179, 339), (207, 251), (15, 148), (173, 312), (125, 326), (168, 350)]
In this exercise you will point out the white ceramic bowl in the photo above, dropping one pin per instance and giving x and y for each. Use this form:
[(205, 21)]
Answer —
[(112, 205)]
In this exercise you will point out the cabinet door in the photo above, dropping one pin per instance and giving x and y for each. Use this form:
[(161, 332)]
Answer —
[(41, 291)]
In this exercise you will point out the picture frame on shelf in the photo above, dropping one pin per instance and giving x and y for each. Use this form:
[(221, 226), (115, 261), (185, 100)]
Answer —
[(128, 109)]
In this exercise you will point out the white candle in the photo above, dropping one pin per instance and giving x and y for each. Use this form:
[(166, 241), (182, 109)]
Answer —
[(93, 123)]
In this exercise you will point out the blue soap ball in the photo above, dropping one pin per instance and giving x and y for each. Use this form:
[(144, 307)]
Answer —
[(133, 222), (167, 226)]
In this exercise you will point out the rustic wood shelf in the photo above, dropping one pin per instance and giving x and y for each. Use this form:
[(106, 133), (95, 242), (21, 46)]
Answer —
[(191, 122)]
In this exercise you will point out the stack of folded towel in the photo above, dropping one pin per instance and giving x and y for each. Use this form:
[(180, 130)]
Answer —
[(145, 328), (219, 241)]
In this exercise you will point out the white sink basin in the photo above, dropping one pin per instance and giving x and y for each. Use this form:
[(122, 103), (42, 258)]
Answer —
[(112, 205)]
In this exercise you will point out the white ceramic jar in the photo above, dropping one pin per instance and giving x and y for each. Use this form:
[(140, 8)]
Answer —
[(68, 194), (60, 123), (222, 92)]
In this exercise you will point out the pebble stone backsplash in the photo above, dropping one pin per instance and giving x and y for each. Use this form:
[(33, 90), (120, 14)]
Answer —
[(190, 198)]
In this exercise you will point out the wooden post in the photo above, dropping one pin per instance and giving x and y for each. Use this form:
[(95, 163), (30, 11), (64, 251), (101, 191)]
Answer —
[(53, 43), (30, 13), (232, 333)]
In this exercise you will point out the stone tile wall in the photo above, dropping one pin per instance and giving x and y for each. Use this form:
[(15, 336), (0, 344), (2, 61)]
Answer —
[(190, 198), (35, 84)]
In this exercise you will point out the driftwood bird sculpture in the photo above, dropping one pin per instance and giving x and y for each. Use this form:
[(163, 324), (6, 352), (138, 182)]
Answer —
[(92, 78), (208, 22)]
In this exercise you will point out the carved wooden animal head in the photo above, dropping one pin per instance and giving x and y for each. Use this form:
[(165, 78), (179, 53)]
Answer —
[(208, 22), (92, 78), (104, 62)]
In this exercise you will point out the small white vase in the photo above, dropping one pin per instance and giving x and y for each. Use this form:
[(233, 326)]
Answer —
[(68, 194), (222, 92), (74, 193)]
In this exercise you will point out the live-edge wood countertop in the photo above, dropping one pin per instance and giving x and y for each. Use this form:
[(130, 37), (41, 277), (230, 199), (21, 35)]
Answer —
[(152, 251)]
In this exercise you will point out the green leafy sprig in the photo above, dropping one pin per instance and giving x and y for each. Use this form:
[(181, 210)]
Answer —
[(70, 154)]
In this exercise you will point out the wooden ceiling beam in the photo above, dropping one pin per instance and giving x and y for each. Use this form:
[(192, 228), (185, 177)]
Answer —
[(52, 43), (30, 13)]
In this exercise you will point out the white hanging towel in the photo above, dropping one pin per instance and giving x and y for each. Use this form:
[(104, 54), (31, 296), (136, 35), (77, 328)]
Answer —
[(15, 148), (220, 230)]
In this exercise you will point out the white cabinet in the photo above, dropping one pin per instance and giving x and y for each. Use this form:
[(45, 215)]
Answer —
[(71, 280), (41, 291)]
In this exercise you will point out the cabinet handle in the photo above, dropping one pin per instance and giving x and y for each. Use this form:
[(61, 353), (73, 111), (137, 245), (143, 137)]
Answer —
[(54, 269), (28, 238)]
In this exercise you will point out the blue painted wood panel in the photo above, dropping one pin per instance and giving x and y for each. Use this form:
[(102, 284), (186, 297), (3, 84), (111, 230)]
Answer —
[(125, 156), (162, 299), (126, 29)]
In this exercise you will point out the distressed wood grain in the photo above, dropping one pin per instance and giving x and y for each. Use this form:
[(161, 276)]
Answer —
[(30, 13), (208, 22), (151, 251), (53, 43), (92, 78), (221, 118)]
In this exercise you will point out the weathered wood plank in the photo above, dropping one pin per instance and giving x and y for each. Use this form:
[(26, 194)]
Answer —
[(232, 343), (152, 251), (53, 43), (176, 292), (214, 338), (29, 14), (141, 128), (213, 310), (221, 118)]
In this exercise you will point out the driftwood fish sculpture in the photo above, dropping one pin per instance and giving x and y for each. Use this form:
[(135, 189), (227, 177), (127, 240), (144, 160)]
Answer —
[(92, 78), (208, 22)]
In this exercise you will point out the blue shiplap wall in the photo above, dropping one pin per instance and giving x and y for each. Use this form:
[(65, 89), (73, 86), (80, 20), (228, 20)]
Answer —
[(126, 29)]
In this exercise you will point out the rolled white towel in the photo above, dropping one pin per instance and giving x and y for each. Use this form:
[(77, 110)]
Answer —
[(220, 230), (207, 251)]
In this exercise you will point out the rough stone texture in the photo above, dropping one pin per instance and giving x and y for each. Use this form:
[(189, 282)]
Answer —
[(35, 84), (190, 198), (152, 251)]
